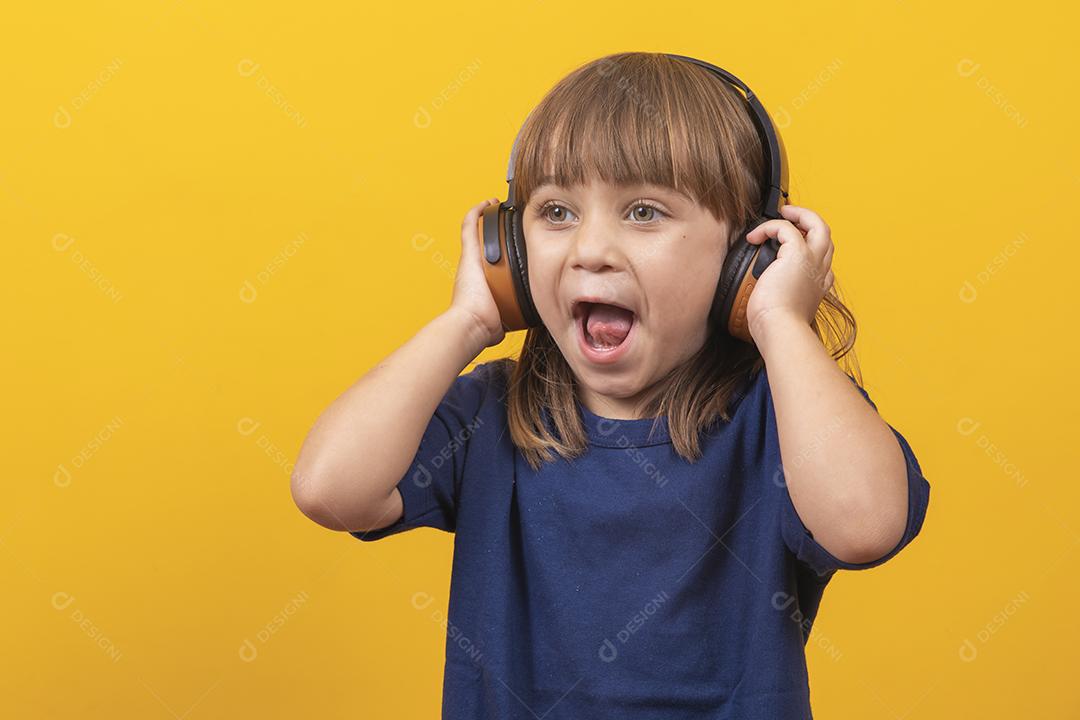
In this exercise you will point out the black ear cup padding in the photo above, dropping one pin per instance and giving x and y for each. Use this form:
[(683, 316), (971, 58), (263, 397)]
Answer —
[(518, 259), (735, 265)]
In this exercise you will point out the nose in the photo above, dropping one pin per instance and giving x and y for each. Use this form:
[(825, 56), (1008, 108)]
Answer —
[(595, 247)]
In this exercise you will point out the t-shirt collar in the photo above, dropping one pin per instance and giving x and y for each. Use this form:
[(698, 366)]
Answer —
[(612, 432)]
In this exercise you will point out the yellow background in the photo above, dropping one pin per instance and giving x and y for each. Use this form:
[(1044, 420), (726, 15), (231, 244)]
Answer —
[(210, 217)]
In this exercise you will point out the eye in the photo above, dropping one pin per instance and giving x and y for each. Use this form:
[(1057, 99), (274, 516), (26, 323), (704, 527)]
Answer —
[(554, 213), (646, 212)]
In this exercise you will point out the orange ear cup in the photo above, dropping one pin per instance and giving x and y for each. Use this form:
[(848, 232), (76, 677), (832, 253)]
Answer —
[(737, 324), (742, 268), (499, 279)]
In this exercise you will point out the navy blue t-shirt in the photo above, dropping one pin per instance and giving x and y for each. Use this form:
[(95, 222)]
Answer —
[(627, 582)]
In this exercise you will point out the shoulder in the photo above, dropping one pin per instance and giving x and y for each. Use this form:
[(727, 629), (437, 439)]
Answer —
[(485, 384), (491, 374), (752, 392)]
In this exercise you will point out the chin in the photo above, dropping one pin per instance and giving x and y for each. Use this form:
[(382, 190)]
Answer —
[(609, 382)]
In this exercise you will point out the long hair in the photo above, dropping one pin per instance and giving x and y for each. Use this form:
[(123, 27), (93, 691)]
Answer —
[(639, 117)]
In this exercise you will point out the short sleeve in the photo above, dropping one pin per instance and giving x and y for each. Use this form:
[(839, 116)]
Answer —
[(430, 487), (809, 551)]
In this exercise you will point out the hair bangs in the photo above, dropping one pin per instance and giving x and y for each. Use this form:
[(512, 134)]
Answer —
[(635, 118)]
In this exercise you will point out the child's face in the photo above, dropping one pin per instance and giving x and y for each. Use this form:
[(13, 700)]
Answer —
[(647, 248)]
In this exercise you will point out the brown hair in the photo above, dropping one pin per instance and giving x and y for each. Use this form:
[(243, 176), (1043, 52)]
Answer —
[(645, 117)]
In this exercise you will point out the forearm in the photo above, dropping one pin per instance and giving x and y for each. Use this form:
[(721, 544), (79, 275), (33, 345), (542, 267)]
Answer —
[(362, 444), (844, 468)]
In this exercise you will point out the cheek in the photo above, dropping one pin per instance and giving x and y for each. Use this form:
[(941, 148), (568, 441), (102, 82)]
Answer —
[(543, 279), (681, 298)]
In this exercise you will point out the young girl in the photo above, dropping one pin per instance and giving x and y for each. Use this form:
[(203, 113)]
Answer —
[(646, 509)]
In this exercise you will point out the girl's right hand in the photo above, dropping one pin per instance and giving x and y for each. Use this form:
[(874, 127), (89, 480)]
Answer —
[(471, 292)]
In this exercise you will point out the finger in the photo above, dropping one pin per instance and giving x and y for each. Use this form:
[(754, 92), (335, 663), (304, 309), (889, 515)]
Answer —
[(782, 230), (817, 232), (470, 229), (479, 207), (472, 217)]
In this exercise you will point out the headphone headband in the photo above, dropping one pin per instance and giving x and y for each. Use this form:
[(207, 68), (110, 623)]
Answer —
[(776, 191)]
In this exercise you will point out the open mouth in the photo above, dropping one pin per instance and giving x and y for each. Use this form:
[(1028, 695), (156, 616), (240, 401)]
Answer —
[(604, 328)]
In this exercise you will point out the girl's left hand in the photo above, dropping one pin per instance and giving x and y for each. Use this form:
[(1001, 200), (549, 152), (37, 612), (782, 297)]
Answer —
[(796, 281)]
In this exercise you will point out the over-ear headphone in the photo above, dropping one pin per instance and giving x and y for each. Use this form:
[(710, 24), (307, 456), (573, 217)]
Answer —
[(506, 264)]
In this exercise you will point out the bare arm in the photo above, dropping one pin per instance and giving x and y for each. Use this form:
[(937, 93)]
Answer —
[(359, 448), (844, 467), (846, 472)]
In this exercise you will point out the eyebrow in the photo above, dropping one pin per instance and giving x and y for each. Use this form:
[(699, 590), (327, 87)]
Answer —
[(550, 180)]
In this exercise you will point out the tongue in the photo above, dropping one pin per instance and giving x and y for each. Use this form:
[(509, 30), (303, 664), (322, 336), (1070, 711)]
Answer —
[(609, 325)]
